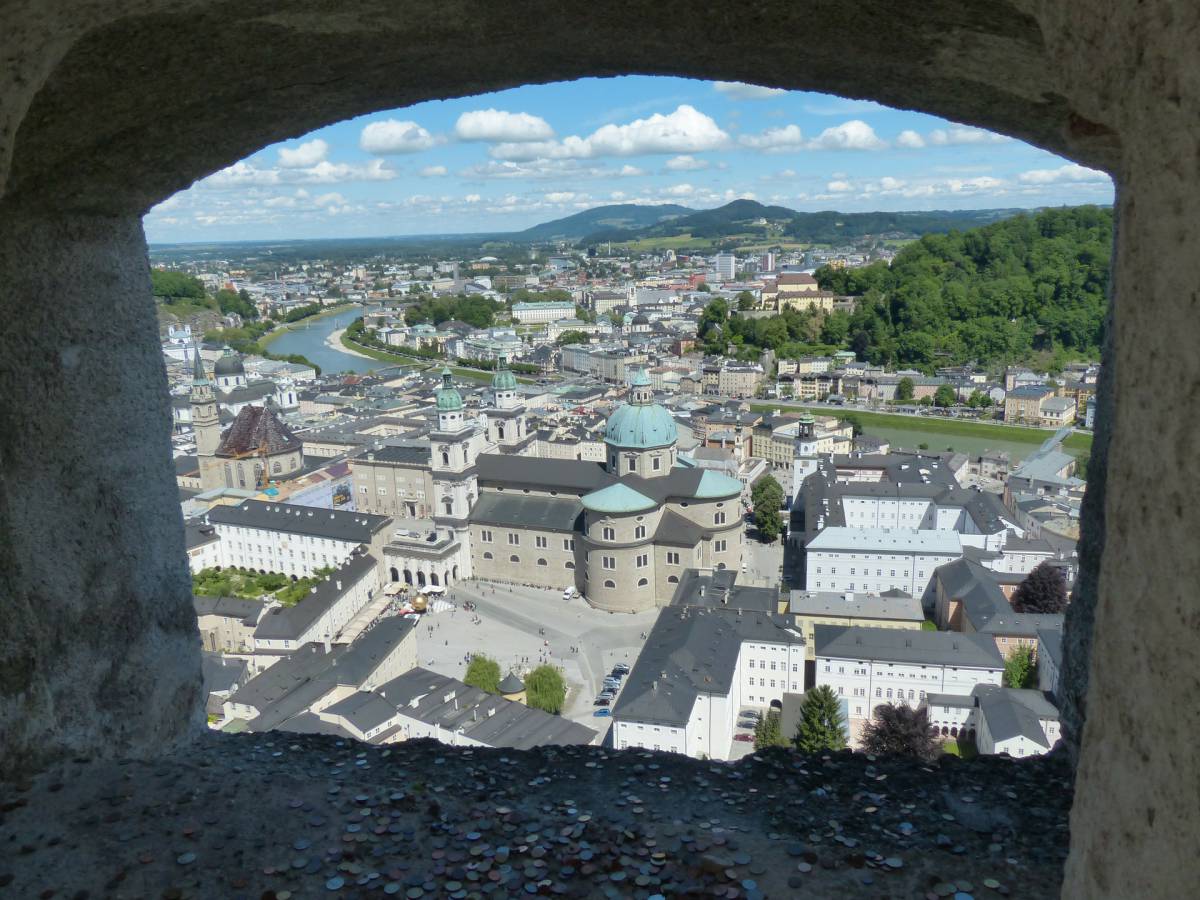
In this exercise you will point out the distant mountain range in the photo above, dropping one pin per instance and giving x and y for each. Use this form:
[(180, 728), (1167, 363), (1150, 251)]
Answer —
[(753, 219), (617, 216)]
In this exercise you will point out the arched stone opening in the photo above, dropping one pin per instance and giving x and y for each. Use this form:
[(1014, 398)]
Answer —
[(79, 162), (408, 576), (420, 579), (395, 574)]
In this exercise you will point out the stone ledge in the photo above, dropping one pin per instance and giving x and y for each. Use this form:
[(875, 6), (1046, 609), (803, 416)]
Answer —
[(279, 815)]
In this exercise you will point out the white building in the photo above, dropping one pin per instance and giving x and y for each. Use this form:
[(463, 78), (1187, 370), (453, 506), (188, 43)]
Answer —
[(874, 560), (290, 539), (698, 669), (325, 612), (725, 265), (999, 720), (540, 313), (868, 667)]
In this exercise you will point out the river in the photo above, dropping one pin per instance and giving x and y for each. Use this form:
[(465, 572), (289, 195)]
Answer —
[(308, 338)]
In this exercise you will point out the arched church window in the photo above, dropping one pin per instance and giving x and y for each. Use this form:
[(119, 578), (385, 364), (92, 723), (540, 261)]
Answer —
[(445, 458)]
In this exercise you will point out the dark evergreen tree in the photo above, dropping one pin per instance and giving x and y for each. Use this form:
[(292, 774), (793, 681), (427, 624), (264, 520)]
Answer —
[(1044, 590), (901, 731), (822, 726)]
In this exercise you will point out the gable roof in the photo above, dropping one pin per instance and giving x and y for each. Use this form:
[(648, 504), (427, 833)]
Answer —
[(255, 429), (934, 648)]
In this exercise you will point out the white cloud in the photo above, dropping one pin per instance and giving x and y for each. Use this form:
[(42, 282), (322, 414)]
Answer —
[(560, 196), (306, 155), (775, 140), (393, 136), (686, 163), (973, 185), (853, 135), (331, 197), (686, 130), (739, 90), (628, 171), (433, 171), (243, 174), (839, 187), (498, 125), (1068, 174), (472, 198), (680, 190), (909, 138), (959, 134), (280, 202), (888, 183)]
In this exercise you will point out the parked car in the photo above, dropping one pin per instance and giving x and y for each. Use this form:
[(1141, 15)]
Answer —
[(743, 737), (602, 701), (607, 695), (747, 723), (750, 714), (612, 683), (602, 713), (620, 669)]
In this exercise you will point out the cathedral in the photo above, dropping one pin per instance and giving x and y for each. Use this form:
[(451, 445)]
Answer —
[(622, 532), (255, 449)]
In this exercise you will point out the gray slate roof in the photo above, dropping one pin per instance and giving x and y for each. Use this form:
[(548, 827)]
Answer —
[(527, 511), (1011, 713), (720, 590), (934, 648), (228, 607), (691, 651), (984, 604), (290, 622), (290, 518)]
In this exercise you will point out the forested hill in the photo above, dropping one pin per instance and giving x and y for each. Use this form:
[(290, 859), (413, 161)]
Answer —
[(1004, 292)]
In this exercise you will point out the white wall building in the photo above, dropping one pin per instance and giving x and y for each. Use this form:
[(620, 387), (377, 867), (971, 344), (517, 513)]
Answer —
[(867, 667), (324, 613), (697, 670), (875, 560)]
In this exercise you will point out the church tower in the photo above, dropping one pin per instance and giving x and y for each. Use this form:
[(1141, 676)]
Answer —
[(804, 454), (506, 417), (206, 425), (454, 447)]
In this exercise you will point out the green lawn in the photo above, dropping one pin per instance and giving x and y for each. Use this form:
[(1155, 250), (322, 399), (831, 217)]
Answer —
[(933, 426), (964, 749)]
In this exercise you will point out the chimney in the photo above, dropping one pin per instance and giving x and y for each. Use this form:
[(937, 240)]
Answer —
[(339, 584), (849, 596), (328, 647)]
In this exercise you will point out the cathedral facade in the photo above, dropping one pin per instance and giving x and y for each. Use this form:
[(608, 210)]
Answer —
[(622, 532)]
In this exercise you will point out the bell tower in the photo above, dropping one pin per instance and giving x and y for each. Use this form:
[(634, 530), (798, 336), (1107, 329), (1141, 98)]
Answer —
[(206, 425)]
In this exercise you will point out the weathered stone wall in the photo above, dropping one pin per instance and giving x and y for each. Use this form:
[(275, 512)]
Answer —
[(109, 108), (99, 650)]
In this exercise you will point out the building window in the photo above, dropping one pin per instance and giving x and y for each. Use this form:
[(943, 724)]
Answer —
[(672, 558), (719, 518), (642, 582), (656, 463), (609, 562), (639, 532), (487, 554), (540, 542), (569, 564), (514, 558), (514, 539), (542, 562), (610, 584), (630, 463), (672, 579), (608, 533), (719, 546), (879, 692), (486, 536), (643, 560), (568, 543)]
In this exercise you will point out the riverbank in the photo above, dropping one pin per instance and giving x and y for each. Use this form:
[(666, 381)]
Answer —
[(335, 342), (288, 327)]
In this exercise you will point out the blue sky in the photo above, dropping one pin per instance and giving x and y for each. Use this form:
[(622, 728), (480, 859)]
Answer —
[(508, 160)]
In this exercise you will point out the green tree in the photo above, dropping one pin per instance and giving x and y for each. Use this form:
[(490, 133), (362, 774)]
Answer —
[(944, 396), (171, 286), (766, 495), (483, 673), (572, 337), (545, 689), (703, 288), (1020, 670), (767, 732), (745, 300), (1044, 590), (855, 423), (822, 726), (904, 389), (900, 730)]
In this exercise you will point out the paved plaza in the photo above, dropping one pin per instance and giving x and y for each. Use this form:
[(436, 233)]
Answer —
[(521, 627)]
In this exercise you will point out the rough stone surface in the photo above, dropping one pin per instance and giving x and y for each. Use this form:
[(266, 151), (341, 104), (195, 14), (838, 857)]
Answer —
[(260, 815), (99, 650)]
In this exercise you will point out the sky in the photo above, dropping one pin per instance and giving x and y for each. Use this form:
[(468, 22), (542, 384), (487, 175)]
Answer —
[(508, 160)]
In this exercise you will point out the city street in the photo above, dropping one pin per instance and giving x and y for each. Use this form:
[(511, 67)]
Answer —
[(510, 622)]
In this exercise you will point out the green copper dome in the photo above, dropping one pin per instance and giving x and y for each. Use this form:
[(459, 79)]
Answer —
[(641, 423), (503, 380), (448, 397)]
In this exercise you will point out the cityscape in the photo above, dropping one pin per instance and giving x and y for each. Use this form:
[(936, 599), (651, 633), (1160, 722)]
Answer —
[(686, 484)]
